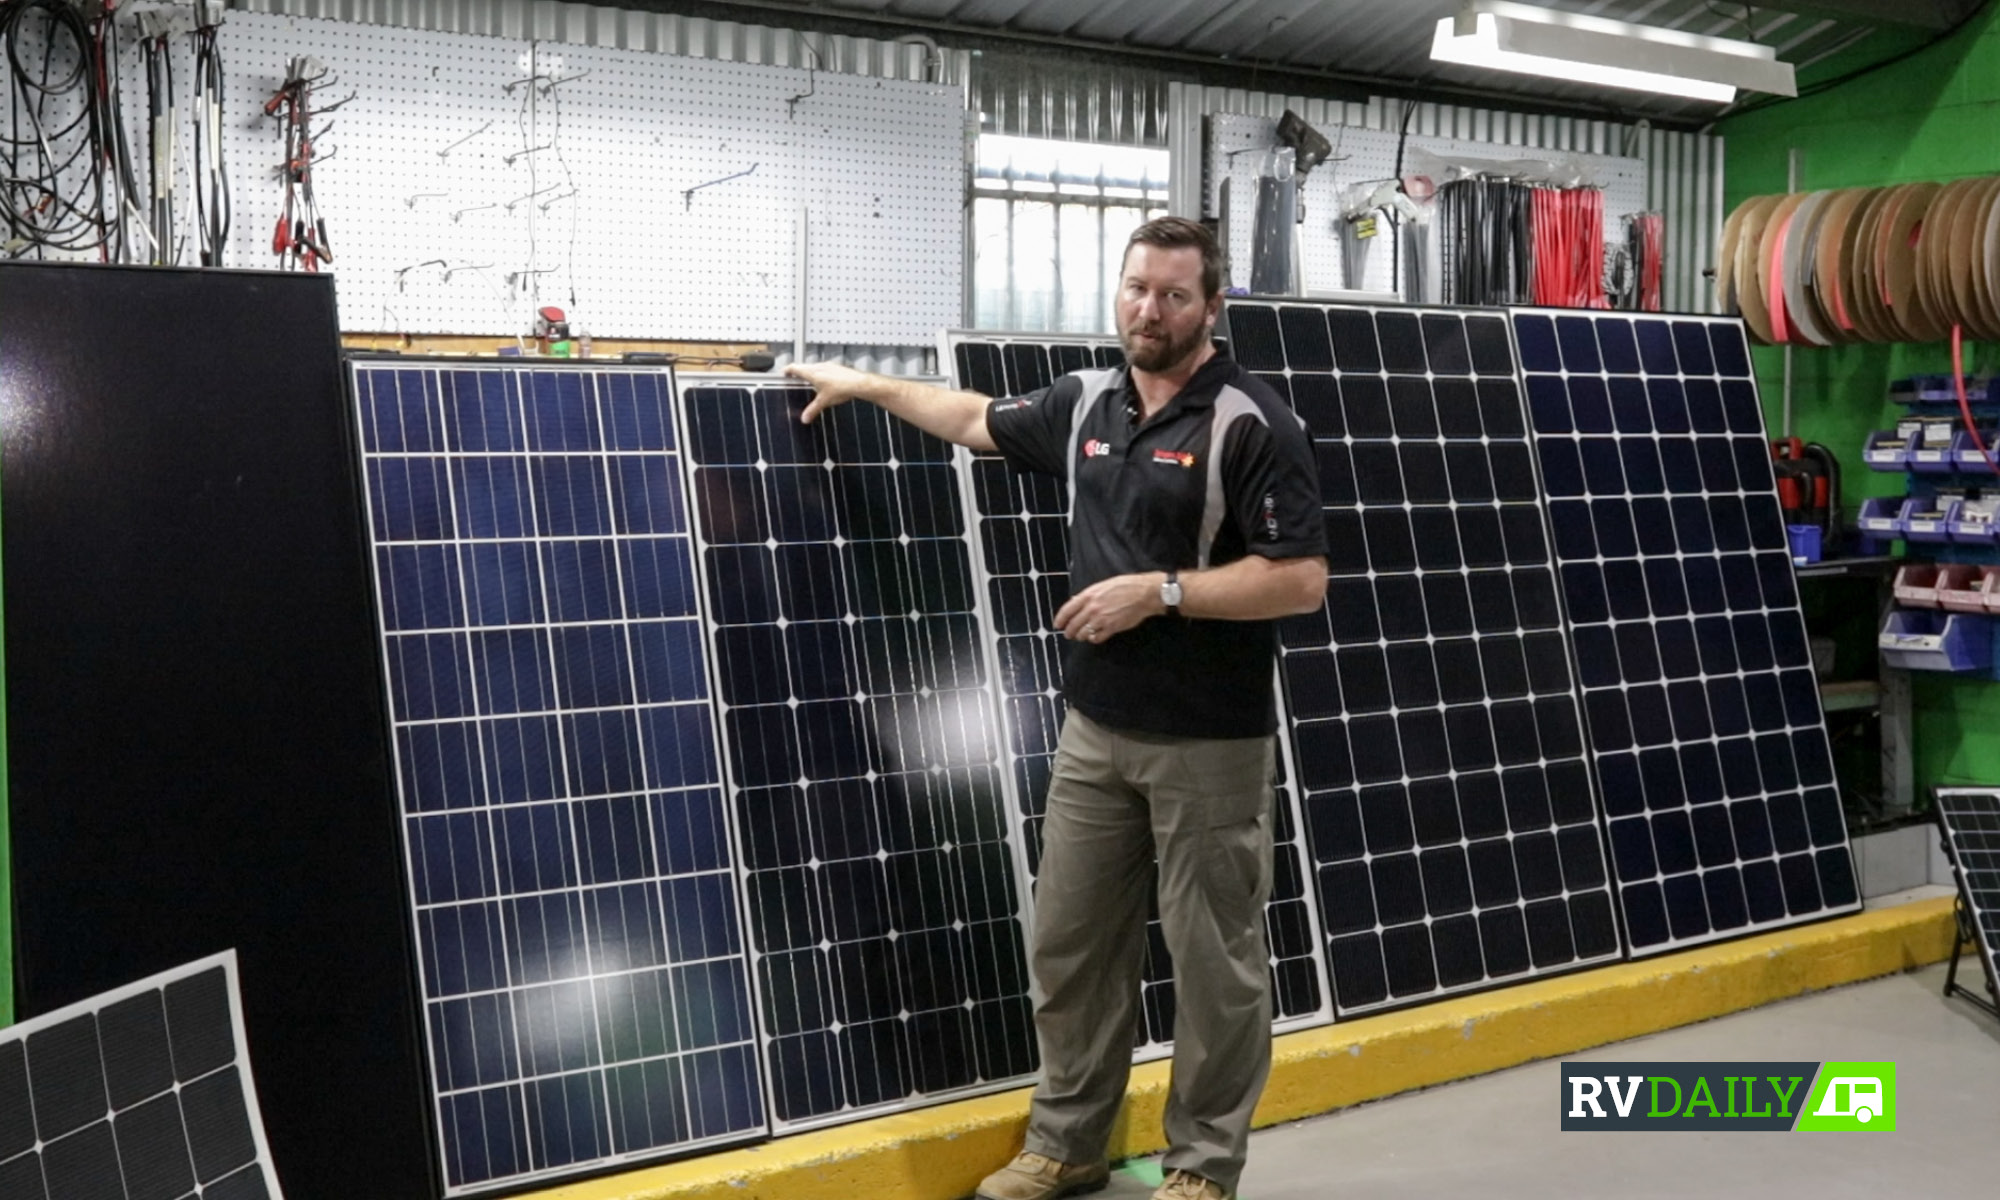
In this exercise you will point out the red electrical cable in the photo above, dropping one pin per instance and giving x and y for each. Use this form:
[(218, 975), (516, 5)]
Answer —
[(1964, 405)]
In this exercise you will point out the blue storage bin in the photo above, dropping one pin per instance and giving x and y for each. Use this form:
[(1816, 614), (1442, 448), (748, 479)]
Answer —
[(1967, 456), (1935, 641), (1969, 531), (1888, 450), (1934, 459), (1928, 520), (1939, 389), (1881, 517)]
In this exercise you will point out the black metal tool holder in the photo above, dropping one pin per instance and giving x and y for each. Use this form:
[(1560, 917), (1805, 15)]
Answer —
[(1965, 931)]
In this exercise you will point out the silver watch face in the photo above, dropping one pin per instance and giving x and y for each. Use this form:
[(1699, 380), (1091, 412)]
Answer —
[(1170, 593)]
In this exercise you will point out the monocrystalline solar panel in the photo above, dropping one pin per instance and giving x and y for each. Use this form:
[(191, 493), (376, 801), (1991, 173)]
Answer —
[(886, 924), (587, 997), (142, 1092), (1022, 521), (1970, 818), (1449, 807), (1699, 695)]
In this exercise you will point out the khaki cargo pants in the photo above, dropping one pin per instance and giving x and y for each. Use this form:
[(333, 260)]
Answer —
[(1117, 802)]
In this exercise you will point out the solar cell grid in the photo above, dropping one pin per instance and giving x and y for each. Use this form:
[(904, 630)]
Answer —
[(1970, 819), (586, 992), (143, 1092), (1449, 808), (1699, 693), (885, 919), (1022, 521)]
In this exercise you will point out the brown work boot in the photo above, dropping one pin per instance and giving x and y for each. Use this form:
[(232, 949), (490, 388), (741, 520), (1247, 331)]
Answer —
[(1034, 1176), (1186, 1185)]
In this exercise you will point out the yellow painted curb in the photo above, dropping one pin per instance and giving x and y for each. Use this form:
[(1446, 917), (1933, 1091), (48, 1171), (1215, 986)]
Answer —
[(940, 1153)]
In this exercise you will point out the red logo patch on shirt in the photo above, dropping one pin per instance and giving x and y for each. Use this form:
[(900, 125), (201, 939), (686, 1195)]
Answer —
[(1096, 449), (1174, 458)]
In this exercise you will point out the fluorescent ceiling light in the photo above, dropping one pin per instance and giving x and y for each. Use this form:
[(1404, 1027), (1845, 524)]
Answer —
[(1579, 49)]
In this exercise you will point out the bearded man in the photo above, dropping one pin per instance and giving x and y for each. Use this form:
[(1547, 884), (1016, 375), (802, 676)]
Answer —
[(1195, 523)]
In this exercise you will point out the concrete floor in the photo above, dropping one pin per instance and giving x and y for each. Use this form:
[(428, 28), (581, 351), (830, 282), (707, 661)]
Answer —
[(1499, 1136)]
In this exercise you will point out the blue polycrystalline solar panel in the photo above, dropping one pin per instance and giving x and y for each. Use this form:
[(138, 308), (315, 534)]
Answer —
[(586, 991), (1970, 819), (863, 749), (1699, 693), (144, 1091), (1023, 527), (1449, 808)]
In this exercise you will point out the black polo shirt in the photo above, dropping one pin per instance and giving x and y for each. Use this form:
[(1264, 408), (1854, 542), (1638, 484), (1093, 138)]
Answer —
[(1225, 469)]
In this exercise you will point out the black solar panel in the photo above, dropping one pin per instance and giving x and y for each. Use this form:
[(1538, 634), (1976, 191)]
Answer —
[(586, 989), (1970, 818), (1699, 693), (1024, 546), (1448, 802), (144, 1092), (862, 746)]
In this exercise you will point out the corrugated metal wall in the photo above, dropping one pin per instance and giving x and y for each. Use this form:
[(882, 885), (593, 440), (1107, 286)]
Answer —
[(1684, 170), (667, 33)]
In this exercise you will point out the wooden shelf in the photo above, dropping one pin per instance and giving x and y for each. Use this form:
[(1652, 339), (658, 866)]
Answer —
[(1850, 695)]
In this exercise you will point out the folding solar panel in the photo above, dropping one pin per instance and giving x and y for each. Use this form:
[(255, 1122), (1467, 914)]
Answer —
[(1448, 803), (1703, 712), (144, 1091), (1970, 819), (1022, 520), (886, 924), (587, 998)]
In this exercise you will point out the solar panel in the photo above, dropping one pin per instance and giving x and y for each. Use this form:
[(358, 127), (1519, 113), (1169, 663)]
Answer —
[(886, 924), (1699, 694), (1449, 806), (1024, 561), (1970, 818), (144, 1091), (586, 990)]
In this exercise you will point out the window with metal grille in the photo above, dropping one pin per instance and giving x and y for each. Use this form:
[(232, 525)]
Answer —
[(1049, 223)]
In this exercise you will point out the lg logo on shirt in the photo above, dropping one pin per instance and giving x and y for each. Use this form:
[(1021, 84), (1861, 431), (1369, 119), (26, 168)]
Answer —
[(1096, 449)]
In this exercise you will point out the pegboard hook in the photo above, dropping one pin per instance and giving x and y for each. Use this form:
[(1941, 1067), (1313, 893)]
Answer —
[(553, 84), (446, 152), (687, 197), (511, 204)]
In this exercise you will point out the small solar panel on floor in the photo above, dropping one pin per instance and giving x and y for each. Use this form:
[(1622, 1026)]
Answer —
[(1448, 804), (1022, 521), (587, 997), (1699, 694), (144, 1093), (886, 924), (1970, 819)]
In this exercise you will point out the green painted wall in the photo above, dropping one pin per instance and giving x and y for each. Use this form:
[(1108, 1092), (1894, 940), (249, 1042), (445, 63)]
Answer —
[(1934, 116)]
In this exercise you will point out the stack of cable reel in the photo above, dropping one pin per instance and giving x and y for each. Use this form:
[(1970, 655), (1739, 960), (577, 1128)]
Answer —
[(1888, 264)]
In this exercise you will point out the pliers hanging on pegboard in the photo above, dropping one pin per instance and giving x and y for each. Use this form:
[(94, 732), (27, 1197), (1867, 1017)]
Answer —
[(300, 238)]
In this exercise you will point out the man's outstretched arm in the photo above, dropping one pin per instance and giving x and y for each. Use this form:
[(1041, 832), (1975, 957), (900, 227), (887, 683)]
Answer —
[(954, 416)]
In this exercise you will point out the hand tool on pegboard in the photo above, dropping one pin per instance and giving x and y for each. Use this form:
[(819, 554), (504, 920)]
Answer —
[(300, 238)]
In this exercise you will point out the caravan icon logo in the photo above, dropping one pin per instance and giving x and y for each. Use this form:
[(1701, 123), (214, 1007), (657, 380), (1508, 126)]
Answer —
[(1852, 1097), (1771, 1097)]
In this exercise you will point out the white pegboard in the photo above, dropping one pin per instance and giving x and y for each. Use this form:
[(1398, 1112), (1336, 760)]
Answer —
[(1235, 151), (384, 189), (877, 165)]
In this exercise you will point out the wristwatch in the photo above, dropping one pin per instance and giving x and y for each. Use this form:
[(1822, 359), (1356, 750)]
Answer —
[(1170, 593)]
